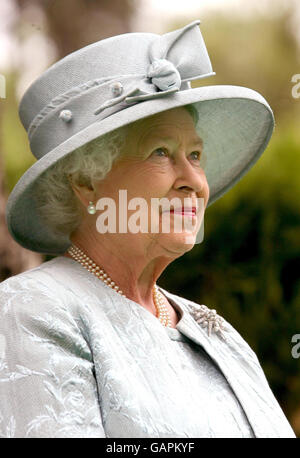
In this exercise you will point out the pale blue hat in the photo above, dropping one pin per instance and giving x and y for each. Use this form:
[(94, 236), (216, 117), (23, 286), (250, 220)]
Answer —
[(117, 81)]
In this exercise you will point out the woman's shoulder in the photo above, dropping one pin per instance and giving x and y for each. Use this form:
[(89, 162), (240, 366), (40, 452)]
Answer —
[(37, 290), (37, 316), (58, 288), (35, 280), (50, 276)]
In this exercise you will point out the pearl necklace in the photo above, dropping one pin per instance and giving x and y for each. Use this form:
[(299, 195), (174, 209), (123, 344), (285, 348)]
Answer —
[(158, 299)]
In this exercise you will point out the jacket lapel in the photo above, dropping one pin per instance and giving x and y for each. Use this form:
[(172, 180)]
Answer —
[(241, 368)]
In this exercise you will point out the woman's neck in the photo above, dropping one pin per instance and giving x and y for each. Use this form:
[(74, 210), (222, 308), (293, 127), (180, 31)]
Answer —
[(131, 271)]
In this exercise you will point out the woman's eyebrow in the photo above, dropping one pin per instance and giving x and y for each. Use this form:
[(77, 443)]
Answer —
[(198, 141), (195, 140)]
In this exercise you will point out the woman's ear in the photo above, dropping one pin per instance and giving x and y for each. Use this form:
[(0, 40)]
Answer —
[(85, 193)]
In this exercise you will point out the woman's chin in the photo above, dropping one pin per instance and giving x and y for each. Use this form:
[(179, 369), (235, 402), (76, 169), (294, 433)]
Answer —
[(178, 243)]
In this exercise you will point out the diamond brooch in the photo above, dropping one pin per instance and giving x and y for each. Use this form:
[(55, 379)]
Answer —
[(209, 319)]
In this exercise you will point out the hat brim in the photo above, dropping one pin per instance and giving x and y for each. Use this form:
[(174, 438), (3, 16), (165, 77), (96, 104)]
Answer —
[(235, 124)]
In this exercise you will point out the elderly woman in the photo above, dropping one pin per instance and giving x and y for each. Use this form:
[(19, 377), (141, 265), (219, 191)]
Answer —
[(90, 345)]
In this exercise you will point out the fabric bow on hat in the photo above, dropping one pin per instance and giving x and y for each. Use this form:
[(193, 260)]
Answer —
[(156, 68), (174, 59)]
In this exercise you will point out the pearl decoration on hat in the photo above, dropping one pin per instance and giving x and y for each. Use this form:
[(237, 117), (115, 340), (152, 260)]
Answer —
[(116, 88), (158, 299), (66, 115)]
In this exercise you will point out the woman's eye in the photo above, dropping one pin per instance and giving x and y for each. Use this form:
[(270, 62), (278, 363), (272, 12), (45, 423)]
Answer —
[(197, 155), (200, 157), (161, 152)]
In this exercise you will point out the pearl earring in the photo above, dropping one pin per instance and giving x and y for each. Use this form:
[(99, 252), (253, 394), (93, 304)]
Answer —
[(91, 208)]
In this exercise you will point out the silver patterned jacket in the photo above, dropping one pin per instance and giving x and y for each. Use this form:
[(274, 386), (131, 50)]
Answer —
[(79, 360)]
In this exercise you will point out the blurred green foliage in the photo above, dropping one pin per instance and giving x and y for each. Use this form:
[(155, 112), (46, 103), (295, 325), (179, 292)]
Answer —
[(16, 154), (248, 265)]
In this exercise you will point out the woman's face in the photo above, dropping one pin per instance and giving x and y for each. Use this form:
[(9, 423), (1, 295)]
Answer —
[(162, 158)]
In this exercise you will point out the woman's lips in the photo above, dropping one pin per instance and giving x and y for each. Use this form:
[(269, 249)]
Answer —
[(183, 211)]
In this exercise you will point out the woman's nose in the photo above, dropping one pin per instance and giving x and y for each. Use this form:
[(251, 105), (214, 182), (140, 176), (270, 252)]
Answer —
[(189, 176)]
